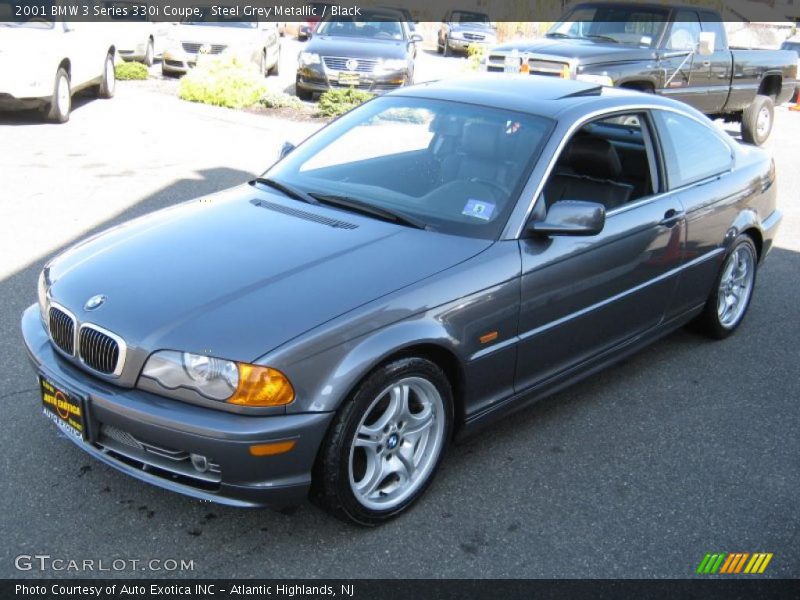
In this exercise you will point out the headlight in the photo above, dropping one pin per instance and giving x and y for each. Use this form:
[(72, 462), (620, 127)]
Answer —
[(219, 379), (41, 290), (598, 79), (394, 64), (309, 58), (456, 35)]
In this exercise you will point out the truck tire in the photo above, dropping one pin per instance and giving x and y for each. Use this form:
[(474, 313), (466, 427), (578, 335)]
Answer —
[(757, 120)]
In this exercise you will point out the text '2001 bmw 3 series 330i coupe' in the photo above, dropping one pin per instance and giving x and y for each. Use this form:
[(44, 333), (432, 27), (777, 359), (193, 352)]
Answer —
[(435, 258)]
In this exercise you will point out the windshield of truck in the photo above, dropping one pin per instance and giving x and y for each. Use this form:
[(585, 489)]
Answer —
[(630, 25)]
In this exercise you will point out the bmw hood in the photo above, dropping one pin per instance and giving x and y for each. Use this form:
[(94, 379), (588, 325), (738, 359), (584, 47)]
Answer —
[(239, 273)]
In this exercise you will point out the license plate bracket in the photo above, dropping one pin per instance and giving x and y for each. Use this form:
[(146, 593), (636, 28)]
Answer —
[(65, 409), (349, 78)]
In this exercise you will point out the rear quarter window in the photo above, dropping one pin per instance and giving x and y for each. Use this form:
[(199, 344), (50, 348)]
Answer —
[(692, 150)]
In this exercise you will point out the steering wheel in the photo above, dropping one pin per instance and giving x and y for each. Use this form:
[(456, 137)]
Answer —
[(492, 184)]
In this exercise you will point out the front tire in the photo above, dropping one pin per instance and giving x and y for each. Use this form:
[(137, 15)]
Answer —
[(275, 69), (733, 289), (757, 120), (61, 102), (385, 443), (108, 85), (303, 94)]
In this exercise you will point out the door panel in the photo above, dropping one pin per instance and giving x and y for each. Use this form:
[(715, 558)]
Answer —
[(582, 296)]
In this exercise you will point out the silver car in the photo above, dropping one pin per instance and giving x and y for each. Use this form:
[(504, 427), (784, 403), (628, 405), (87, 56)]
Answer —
[(436, 258)]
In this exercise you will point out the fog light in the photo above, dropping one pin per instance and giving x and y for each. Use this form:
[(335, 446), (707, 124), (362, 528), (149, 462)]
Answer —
[(199, 462)]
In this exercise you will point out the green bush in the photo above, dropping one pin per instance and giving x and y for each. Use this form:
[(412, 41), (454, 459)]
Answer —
[(131, 70), (475, 53), (223, 81), (280, 100), (337, 102)]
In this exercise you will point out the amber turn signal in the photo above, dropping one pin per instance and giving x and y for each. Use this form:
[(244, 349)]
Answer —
[(261, 386), (272, 448)]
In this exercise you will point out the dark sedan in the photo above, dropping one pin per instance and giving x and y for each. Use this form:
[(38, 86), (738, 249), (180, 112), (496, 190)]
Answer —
[(373, 53), (436, 258)]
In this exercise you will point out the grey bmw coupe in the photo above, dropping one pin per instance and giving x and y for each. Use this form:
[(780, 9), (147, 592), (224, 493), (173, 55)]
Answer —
[(438, 257)]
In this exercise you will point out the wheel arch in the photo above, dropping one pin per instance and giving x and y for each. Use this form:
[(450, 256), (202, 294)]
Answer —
[(65, 64), (770, 85), (748, 223)]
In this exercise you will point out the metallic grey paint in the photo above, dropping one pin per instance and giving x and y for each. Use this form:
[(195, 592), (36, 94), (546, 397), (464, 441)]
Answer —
[(325, 305)]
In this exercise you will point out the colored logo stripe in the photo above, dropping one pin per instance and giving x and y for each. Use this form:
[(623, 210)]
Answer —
[(734, 562)]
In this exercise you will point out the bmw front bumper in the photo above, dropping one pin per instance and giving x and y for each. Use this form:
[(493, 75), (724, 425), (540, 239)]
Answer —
[(151, 438)]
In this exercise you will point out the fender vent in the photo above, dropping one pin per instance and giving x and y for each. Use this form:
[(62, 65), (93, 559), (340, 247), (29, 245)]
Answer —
[(301, 214)]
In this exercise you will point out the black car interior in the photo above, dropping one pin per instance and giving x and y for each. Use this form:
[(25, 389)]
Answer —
[(605, 161)]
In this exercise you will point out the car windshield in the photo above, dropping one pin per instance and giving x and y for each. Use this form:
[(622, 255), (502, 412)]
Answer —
[(630, 25), (379, 26), (455, 168), (791, 46), (463, 16)]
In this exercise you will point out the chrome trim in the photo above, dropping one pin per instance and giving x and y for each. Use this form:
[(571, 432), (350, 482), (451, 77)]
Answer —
[(75, 328), (594, 115), (123, 350)]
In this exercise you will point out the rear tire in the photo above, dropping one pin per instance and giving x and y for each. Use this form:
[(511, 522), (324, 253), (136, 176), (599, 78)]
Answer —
[(108, 85), (385, 443), (275, 69), (733, 289), (61, 102), (757, 120)]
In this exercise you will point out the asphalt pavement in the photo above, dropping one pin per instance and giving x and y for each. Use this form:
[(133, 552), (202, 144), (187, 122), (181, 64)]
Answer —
[(689, 447)]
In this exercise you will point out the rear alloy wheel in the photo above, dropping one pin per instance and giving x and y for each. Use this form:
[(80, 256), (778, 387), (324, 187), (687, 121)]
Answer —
[(757, 120), (733, 290), (108, 84), (386, 442), (61, 102)]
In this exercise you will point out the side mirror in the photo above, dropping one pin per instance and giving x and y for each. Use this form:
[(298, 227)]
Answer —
[(416, 38), (286, 149), (706, 41), (571, 217)]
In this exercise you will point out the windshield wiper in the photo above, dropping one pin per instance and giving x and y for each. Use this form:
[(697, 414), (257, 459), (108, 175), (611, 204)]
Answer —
[(287, 190), (604, 38), (556, 34), (371, 210)]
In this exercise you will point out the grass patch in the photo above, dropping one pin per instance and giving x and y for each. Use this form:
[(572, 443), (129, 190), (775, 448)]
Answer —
[(223, 81)]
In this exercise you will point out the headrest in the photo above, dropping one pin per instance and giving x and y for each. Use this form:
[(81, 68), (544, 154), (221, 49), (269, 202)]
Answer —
[(446, 125), (594, 157), (479, 140)]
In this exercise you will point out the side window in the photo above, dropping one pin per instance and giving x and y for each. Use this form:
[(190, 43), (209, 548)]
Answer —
[(609, 160), (685, 31), (692, 151)]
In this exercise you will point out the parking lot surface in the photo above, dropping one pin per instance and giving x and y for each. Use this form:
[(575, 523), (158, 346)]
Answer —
[(689, 447)]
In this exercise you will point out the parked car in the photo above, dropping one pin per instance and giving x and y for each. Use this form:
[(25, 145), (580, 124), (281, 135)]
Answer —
[(436, 258), (794, 46), (374, 53), (135, 37), (256, 42), (461, 28), (676, 51), (43, 62)]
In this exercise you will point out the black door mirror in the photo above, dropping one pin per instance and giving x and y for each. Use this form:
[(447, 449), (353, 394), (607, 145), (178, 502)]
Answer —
[(571, 217), (286, 149), (416, 38)]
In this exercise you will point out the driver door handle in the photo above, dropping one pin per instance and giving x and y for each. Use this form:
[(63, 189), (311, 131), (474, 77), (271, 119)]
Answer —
[(672, 217)]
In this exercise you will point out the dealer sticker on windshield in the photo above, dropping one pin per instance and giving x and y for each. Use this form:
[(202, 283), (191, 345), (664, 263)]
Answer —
[(478, 209)]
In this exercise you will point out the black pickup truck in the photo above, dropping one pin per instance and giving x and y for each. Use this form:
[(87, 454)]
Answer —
[(677, 51)]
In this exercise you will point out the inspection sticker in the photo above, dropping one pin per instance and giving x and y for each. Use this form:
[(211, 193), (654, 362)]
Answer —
[(478, 209)]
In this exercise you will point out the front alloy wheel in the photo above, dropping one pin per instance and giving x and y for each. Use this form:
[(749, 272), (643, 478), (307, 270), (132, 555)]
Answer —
[(386, 442)]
